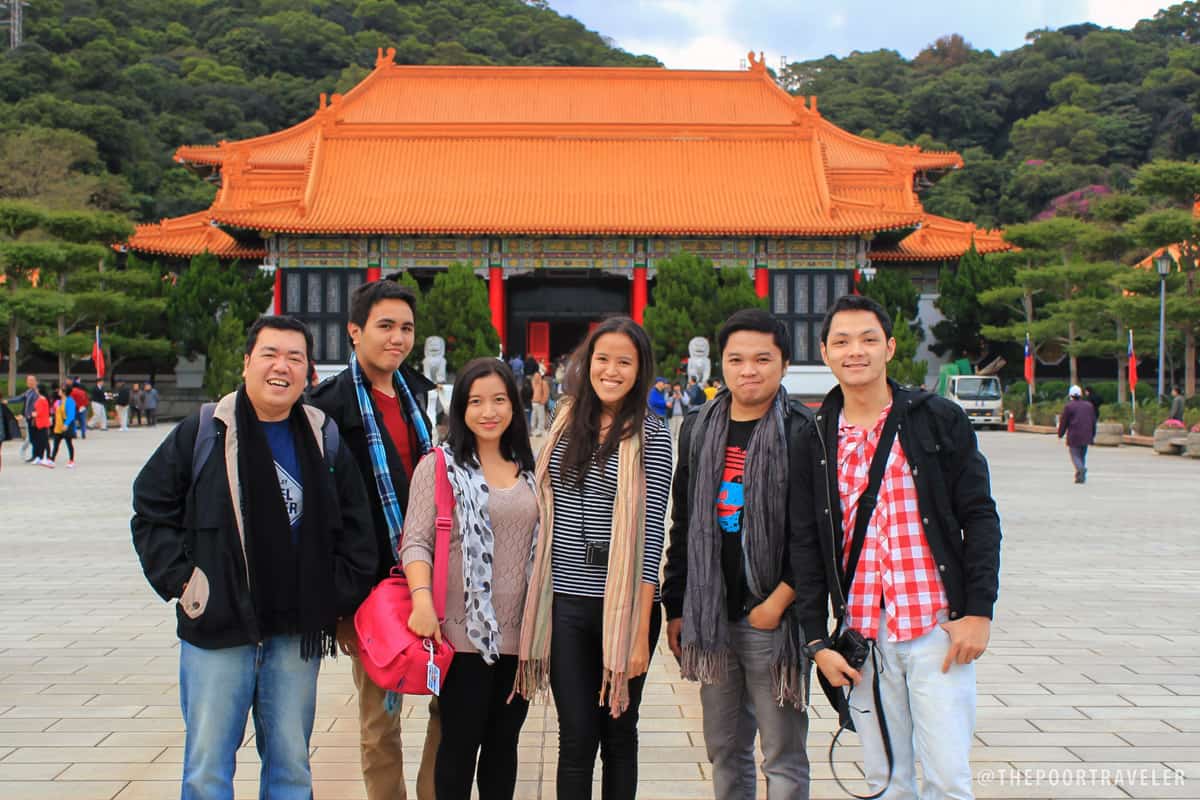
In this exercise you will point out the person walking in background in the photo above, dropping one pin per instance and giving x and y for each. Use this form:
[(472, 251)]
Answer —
[(489, 465), (150, 404), (710, 391), (695, 393), (82, 401), (657, 398), (379, 403), (592, 615), (1177, 404), (64, 413), (41, 428), (137, 399), (1093, 397), (10, 429), (541, 396), (122, 400), (677, 406), (99, 413), (28, 401), (1078, 424), (265, 540)]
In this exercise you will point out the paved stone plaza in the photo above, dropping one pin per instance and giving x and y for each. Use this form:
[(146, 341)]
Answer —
[(1091, 687)]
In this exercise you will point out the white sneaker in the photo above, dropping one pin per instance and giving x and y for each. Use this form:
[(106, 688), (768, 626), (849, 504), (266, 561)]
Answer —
[(70, 465), (48, 464)]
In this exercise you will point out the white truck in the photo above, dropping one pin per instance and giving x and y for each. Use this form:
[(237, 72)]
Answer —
[(979, 396)]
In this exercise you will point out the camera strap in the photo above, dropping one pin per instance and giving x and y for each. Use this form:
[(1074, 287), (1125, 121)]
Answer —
[(867, 502)]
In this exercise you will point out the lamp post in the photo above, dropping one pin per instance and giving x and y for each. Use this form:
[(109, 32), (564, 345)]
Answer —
[(1162, 263)]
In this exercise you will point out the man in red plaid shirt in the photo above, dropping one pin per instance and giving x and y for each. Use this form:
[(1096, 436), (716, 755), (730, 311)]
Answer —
[(927, 575)]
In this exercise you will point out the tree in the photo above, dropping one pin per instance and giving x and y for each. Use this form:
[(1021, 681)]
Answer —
[(692, 298), (223, 370), (960, 334), (456, 308), (207, 292), (894, 290)]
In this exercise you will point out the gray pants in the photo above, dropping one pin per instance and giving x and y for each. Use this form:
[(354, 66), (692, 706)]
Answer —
[(740, 706)]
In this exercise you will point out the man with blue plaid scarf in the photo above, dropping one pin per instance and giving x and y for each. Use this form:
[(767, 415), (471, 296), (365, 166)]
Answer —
[(378, 402)]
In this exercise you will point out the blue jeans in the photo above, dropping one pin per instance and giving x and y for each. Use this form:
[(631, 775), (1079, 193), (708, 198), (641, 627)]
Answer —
[(218, 688), (81, 423)]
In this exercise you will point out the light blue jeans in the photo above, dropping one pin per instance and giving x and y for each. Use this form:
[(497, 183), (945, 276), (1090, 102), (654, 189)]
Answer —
[(219, 688), (743, 705), (930, 717)]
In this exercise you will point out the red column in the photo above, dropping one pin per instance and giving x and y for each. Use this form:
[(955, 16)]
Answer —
[(374, 274), (278, 291), (496, 301), (640, 293), (762, 282)]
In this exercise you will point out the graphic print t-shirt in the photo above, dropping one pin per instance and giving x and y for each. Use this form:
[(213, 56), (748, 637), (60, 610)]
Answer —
[(287, 469), (730, 501)]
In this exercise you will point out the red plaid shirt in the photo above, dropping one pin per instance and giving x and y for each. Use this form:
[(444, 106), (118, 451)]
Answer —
[(895, 561)]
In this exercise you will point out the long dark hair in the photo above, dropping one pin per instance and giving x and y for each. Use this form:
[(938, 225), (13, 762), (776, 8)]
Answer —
[(583, 434), (514, 442)]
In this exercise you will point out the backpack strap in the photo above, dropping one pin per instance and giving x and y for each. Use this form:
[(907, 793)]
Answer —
[(206, 436), (444, 499), (332, 437)]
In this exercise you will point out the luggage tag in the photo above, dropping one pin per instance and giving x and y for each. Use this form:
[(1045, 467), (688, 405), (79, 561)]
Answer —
[(433, 674)]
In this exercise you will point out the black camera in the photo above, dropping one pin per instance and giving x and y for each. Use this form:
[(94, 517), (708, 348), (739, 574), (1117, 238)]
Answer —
[(595, 554), (853, 647)]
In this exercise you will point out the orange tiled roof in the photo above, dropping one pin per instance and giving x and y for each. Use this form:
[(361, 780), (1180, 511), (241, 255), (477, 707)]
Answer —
[(189, 236), (941, 238), (1174, 250), (566, 150)]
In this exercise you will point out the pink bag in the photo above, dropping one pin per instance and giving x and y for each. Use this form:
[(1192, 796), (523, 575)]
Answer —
[(393, 656)]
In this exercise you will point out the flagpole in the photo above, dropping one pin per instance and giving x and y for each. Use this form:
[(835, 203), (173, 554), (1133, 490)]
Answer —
[(1132, 386)]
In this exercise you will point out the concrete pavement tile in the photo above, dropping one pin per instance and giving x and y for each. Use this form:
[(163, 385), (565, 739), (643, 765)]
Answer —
[(1101, 725), (67, 790), (16, 725), (1070, 739), (30, 772), (130, 725), (50, 739), (77, 712), (123, 772), (144, 739), (1133, 754), (83, 755)]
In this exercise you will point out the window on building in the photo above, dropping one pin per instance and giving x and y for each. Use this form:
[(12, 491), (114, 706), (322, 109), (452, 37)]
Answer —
[(321, 299), (800, 299)]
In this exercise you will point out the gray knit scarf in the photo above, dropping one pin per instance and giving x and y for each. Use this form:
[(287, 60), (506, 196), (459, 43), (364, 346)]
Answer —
[(705, 637)]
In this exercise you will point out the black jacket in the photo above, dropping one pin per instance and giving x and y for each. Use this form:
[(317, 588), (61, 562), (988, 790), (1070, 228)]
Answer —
[(674, 587), (181, 523), (953, 493), (338, 397)]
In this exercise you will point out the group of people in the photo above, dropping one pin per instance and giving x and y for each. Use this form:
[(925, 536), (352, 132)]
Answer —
[(63, 412), (555, 560)]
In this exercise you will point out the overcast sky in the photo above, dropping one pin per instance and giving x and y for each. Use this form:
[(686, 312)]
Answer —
[(716, 34)]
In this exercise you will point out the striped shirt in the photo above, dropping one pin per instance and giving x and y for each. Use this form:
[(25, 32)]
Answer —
[(588, 510)]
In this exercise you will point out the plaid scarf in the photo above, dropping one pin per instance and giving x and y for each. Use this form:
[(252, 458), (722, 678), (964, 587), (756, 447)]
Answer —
[(622, 587), (379, 463)]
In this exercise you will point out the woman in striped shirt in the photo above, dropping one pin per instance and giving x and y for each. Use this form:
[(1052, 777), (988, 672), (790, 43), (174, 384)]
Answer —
[(592, 616)]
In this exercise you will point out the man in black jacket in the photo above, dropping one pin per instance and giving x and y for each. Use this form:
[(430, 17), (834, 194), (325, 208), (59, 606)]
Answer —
[(927, 575), (728, 586), (255, 519), (393, 397)]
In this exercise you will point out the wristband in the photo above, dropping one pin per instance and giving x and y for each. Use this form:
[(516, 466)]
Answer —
[(415, 589)]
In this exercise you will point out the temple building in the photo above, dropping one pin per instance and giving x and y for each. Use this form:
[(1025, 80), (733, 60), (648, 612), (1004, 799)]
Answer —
[(562, 187)]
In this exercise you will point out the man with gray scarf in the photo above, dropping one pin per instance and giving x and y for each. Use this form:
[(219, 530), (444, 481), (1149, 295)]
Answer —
[(728, 586)]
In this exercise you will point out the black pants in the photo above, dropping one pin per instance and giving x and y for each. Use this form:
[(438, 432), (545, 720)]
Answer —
[(41, 442), (576, 670), (478, 721), (70, 440), (152, 416), (135, 414)]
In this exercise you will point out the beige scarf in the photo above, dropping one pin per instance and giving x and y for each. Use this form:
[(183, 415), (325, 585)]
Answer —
[(622, 587)]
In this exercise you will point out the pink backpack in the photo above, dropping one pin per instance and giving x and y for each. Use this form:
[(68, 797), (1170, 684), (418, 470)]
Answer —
[(393, 656)]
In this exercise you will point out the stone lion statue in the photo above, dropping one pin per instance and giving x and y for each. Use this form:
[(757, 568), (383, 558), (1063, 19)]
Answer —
[(699, 365), (434, 363)]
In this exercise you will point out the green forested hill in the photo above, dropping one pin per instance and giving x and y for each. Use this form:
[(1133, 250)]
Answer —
[(103, 91), (1077, 107)]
